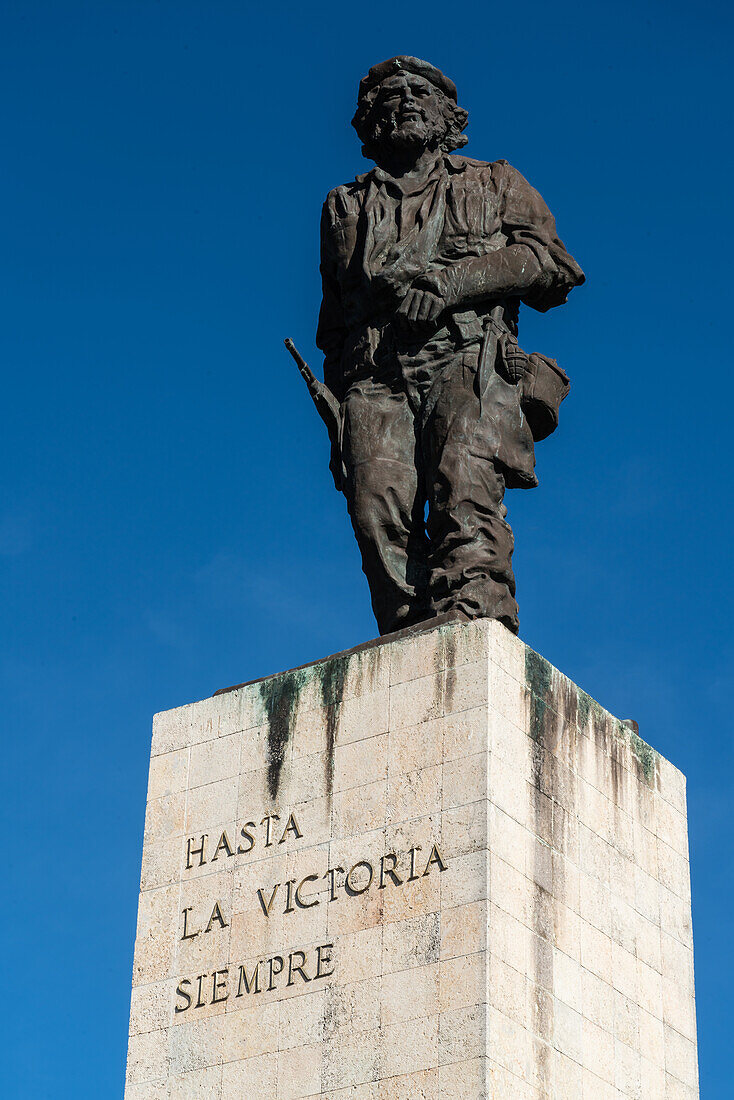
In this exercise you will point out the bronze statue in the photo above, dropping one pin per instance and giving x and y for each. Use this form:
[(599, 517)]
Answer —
[(433, 406)]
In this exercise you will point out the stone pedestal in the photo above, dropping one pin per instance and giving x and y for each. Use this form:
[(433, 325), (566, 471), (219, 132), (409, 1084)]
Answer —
[(428, 869)]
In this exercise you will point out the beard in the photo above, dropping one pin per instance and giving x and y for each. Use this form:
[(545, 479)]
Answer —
[(407, 135)]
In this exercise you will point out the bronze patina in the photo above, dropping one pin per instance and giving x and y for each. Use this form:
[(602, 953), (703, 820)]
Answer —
[(425, 261)]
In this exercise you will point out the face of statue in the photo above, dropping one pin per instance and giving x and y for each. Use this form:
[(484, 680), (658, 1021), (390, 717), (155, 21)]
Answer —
[(407, 114)]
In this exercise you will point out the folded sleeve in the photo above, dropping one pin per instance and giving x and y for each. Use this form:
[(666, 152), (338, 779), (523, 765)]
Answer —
[(527, 220)]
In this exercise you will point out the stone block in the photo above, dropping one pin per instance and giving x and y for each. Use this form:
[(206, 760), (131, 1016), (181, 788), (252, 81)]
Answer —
[(429, 868)]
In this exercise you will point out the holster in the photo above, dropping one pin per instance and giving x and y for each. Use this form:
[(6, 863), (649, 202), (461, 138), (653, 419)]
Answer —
[(544, 385)]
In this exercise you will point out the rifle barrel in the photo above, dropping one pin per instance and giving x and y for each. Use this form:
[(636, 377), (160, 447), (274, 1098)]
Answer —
[(295, 352), (326, 403)]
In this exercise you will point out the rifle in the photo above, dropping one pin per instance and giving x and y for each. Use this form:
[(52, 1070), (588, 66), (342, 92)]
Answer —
[(327, 407)]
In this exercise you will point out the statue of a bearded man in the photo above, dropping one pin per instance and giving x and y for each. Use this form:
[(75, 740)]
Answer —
[(425, 260)]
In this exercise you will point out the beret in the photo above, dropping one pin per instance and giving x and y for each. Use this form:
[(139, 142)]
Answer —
[(402, 63)]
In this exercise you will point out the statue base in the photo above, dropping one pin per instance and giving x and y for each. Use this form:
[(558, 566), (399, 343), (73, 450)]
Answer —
[(428, 868)]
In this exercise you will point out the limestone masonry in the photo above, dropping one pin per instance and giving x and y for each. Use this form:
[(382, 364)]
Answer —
[(428, 869)]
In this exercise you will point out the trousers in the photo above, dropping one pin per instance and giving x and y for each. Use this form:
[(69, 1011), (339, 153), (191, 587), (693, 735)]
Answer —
[(425, 496)]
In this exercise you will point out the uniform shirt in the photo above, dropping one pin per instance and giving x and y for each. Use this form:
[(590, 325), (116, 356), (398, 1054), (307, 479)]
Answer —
[(379, 234)]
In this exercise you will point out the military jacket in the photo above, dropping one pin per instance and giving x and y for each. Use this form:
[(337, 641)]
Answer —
[(379, 234)]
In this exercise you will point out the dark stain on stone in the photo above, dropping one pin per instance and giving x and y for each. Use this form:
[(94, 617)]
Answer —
[(617, 774), (613, 738), (279, 697), (645, 755), (584, 705), (604, 734), (365, 674), (565, 723), (448, 638), (331, 678), (538, 679)]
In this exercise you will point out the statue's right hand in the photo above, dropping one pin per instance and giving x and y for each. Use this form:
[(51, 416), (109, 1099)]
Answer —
[(421, 305)]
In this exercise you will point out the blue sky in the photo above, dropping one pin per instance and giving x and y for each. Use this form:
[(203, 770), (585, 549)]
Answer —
[(167, 521)]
